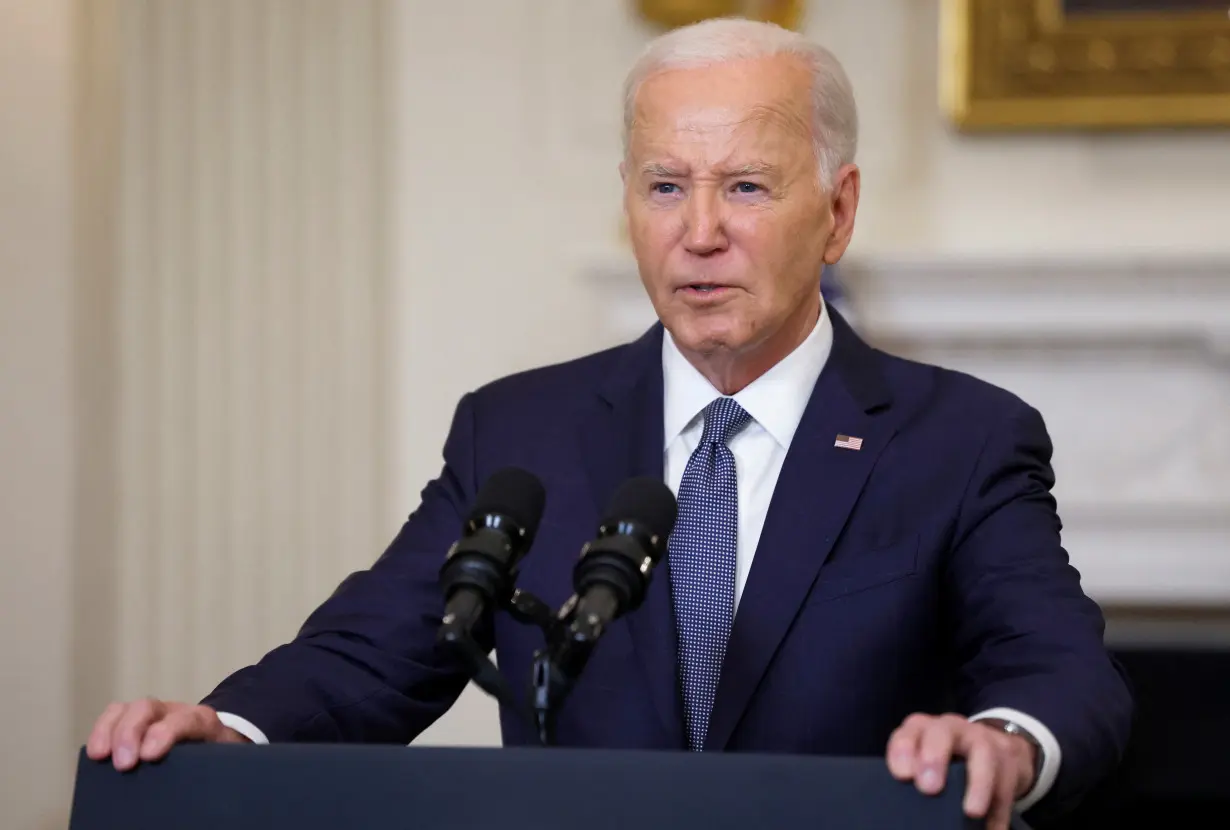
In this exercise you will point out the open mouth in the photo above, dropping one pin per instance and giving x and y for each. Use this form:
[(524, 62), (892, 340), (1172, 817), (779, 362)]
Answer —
[(705, 288)]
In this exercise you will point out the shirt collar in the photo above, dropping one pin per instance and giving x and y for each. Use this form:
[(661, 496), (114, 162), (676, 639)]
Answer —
[(775, 400)]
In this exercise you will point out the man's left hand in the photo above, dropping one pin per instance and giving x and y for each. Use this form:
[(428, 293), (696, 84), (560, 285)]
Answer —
[(999, 766)]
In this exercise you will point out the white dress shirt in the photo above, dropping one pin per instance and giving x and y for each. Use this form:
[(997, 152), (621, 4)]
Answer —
[(775, 401)]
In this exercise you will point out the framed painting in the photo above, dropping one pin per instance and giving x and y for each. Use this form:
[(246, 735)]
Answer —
[(672, 13), (1017, 64)]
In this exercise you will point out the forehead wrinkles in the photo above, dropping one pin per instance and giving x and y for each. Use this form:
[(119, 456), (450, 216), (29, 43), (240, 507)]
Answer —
[(686, 150), (774, 123), (784, 116)]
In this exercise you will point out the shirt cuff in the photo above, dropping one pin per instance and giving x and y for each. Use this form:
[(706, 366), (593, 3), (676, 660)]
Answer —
[(1052, 755), (248, 729)]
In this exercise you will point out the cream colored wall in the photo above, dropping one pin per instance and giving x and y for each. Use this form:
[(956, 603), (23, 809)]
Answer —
[(36, 411)]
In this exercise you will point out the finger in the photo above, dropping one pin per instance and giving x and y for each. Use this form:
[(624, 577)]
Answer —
[(98, 746), (181, 723), (130, 731), (902, 749), (981, 767), (934, 752), (1000, 814)]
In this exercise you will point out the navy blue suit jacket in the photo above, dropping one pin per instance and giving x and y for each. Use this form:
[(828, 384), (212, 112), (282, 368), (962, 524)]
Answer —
[(923, 573)]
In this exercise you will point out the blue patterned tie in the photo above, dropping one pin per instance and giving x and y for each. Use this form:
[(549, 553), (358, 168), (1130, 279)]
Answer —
[(701, 557)]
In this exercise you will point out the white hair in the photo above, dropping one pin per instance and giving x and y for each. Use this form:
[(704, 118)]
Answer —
[(721, 40)]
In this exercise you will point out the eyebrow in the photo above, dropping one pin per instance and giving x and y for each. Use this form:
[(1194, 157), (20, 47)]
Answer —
[(654, 168), (757, 168)]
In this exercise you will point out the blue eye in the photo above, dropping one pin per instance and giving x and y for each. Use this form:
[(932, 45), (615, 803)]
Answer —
[(747, 187), (665, 188)]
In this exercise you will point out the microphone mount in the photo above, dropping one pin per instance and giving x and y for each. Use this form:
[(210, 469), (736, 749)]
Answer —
[(569, 639), (548, 684), (550, 681)]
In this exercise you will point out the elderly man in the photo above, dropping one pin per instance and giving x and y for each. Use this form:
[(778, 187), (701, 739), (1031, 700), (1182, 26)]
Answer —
[(867, 556)]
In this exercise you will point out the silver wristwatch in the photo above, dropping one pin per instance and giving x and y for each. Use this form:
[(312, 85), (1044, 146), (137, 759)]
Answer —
[(1013, 728)]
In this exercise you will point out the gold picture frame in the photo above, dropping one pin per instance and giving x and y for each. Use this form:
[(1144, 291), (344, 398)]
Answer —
[(1022, 64), (674, 13)]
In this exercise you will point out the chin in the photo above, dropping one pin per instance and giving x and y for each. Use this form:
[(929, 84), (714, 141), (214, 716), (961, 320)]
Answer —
[(706, 339)]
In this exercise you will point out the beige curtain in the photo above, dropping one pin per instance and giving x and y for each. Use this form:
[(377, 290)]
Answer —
[(241, 420)]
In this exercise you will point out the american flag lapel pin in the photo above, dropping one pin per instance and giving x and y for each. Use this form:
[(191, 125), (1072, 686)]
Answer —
[(848, 442)]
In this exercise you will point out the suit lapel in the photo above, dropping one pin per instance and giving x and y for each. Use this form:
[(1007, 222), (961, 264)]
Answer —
[(623, 437), (815, 493)]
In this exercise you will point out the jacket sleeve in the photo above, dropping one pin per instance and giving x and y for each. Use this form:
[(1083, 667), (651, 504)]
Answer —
[(365, 665), (1026, 636)]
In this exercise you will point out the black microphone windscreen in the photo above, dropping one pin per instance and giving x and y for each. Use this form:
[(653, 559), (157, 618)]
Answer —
[(514, 493), (645, 500)]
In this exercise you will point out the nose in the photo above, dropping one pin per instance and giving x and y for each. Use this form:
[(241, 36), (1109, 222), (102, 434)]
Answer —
[(704, 231)]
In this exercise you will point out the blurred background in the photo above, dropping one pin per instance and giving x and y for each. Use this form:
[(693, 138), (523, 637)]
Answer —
[(253, 251)]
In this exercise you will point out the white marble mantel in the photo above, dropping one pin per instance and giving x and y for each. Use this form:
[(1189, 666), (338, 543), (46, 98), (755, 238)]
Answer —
[(1128, 361)]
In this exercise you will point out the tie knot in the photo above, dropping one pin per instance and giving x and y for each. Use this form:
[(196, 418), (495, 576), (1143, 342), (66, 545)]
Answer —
[(723, 418)]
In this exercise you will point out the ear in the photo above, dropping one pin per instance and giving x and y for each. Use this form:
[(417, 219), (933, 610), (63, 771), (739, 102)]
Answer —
[(844, 204), (623, 172)]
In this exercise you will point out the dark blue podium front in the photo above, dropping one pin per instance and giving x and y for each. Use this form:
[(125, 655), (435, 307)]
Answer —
[(305, 787)]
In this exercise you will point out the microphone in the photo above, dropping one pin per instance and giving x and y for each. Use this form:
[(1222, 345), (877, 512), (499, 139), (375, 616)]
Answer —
[(613, 573), (481, 566)]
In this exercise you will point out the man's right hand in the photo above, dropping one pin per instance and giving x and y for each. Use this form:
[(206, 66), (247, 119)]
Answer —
[(145, 730)]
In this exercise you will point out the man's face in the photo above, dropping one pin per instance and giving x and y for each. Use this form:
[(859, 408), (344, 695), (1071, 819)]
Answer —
[(725, 211)]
